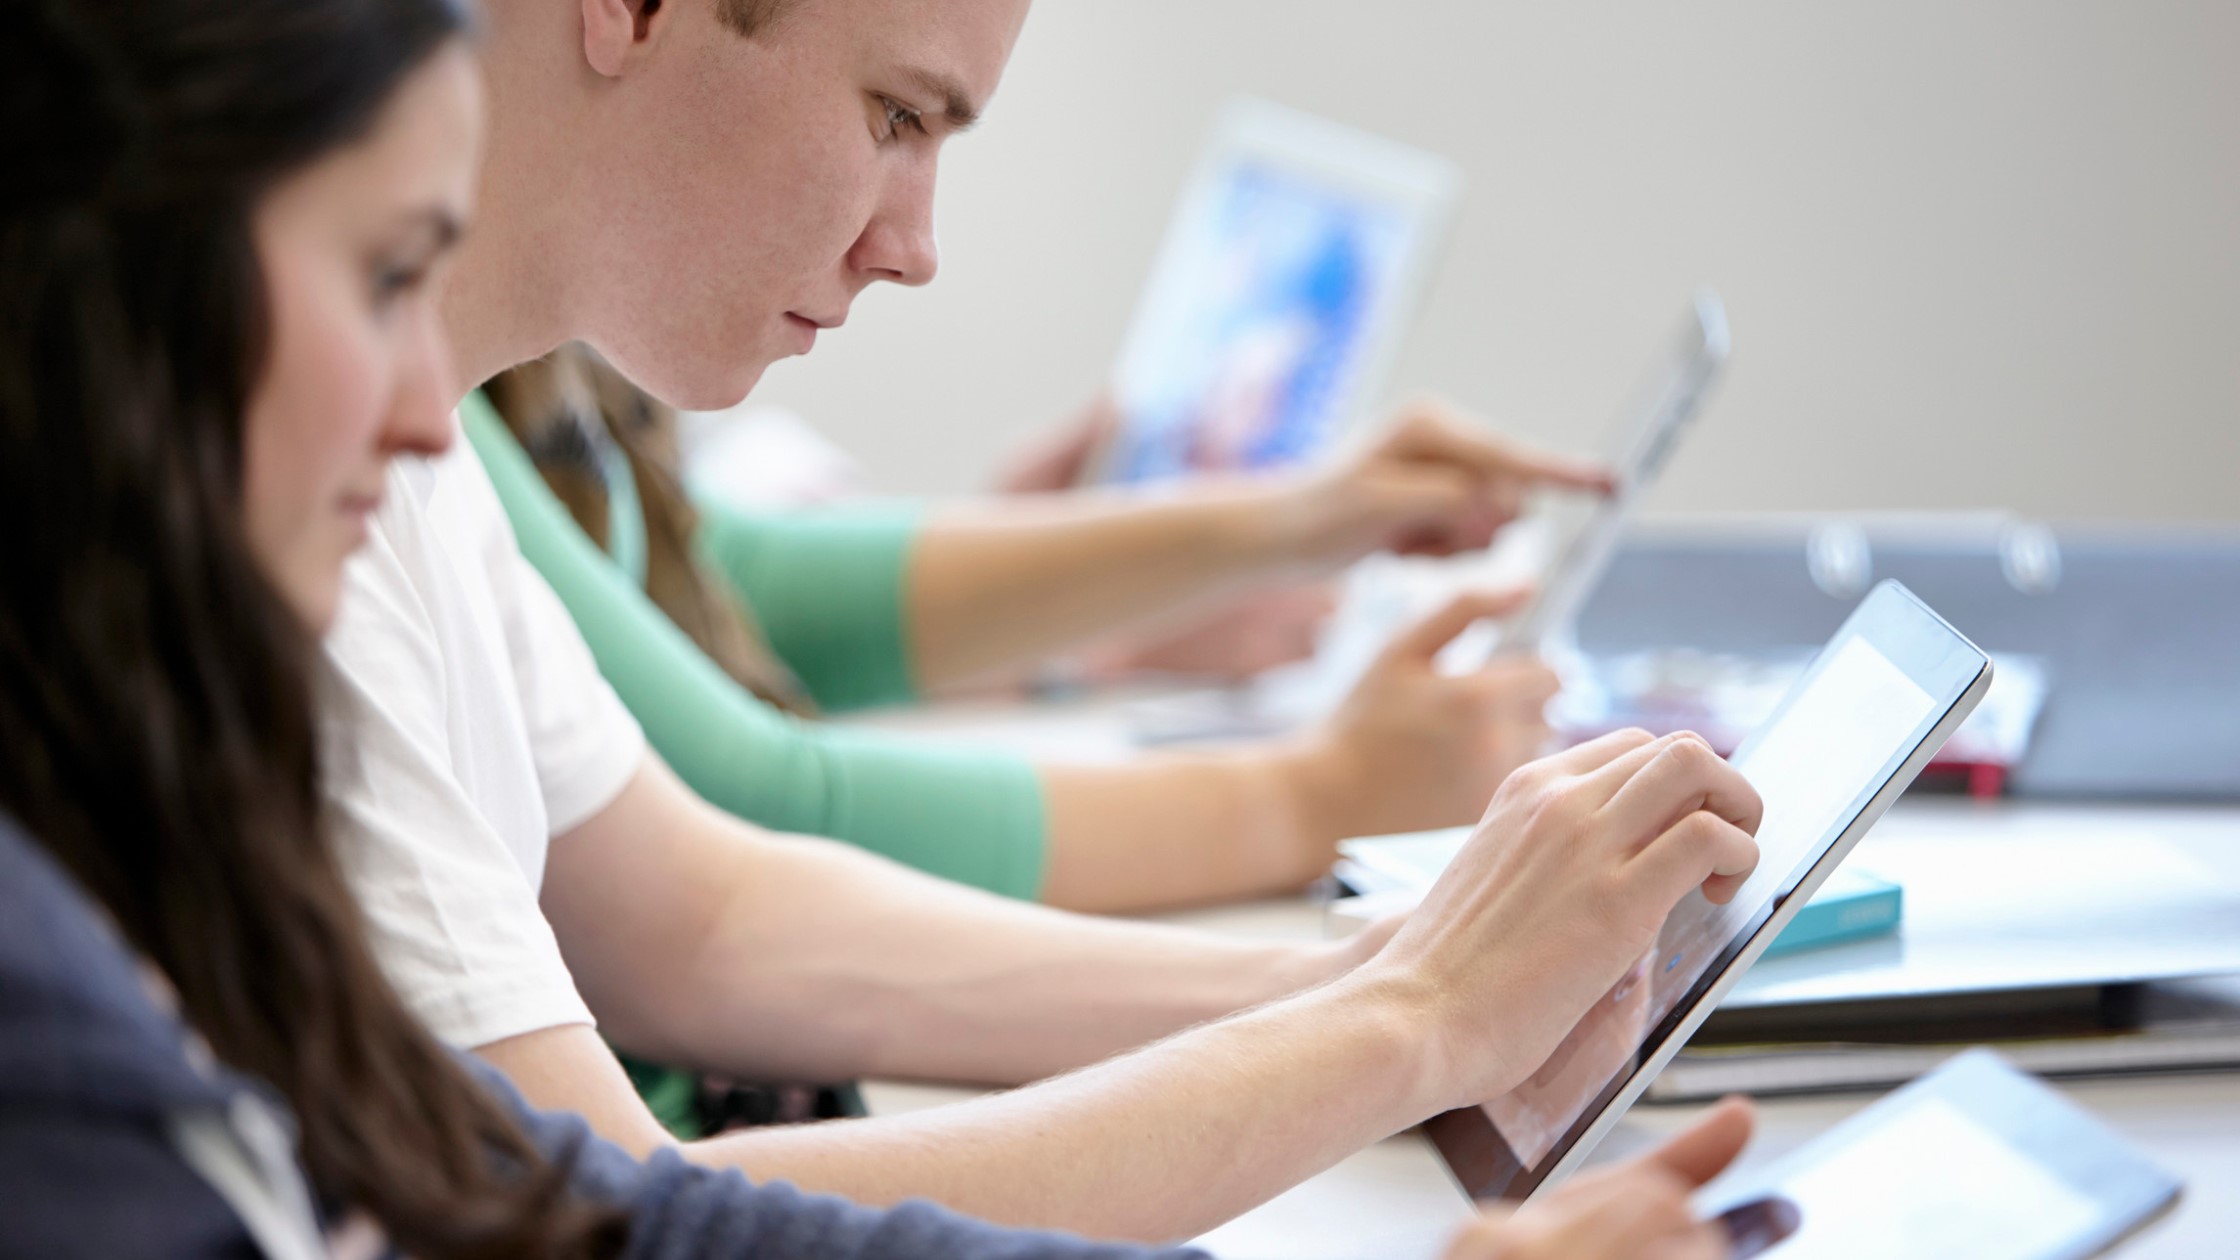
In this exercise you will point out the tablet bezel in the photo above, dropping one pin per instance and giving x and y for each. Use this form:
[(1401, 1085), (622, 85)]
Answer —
[(1956, 674), (2033, 1120), (1423, 185), (1650, 429)]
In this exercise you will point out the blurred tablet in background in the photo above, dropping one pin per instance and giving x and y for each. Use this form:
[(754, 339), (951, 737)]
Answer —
[(1296, 255), (1975, 1161), (1636, 448)]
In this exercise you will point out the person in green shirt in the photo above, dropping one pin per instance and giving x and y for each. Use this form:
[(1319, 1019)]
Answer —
[(831, 608)]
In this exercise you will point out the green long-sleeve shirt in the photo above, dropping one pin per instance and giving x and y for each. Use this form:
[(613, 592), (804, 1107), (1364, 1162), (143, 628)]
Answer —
[(827, 588)]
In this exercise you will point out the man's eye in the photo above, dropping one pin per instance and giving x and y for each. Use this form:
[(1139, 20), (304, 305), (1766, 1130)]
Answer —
[(901, 117)]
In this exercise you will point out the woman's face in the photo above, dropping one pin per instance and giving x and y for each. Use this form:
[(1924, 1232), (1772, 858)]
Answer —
[(358, 369)]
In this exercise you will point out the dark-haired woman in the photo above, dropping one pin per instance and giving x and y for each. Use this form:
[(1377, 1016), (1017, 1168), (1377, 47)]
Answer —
[(217, 234)]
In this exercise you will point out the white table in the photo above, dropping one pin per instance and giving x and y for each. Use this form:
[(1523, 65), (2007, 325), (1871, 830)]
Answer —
[(1394, 1201)]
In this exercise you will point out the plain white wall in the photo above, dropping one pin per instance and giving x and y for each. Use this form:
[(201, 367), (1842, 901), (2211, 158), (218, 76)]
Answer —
[(1975, 254)]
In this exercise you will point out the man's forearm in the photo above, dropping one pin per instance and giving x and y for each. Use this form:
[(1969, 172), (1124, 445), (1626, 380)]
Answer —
[(700, 941), (1159, 1144), (917, 978), (1001, 584)]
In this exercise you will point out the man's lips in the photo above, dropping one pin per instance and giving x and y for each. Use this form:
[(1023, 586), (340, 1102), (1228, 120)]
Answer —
[(809, 325)]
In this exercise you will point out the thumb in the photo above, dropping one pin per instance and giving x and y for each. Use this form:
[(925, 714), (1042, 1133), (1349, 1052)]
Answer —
[(1423, 640), (1704, 1149)]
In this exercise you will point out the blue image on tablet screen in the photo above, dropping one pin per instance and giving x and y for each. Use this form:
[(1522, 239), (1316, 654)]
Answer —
[(1256, 338)]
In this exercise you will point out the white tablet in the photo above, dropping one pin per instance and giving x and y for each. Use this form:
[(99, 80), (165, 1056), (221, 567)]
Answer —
[(1852, 732), (1637, 446), (1295, 256), (1975, 1161)]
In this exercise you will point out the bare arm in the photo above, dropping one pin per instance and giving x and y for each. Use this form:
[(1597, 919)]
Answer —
[(701, 940), (1560, 891), (1412, 748), (1009, 581)]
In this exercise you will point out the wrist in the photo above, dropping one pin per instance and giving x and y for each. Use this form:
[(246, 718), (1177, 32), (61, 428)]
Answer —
[(1322, 776), (1275, 521), (1314, 964), (1404, 1013)]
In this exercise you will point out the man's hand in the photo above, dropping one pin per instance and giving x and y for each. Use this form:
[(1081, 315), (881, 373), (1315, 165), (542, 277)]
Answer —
[(1632, 1211), (1413, 748), (1431, 482), (1064, 458), (1564, 885)]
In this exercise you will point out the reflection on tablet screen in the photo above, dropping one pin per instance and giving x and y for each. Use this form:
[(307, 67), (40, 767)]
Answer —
[(1809, 765)]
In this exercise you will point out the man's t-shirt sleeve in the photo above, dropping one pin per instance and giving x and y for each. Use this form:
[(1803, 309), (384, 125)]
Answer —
[(452, 915), (465, 727), (586, 744)]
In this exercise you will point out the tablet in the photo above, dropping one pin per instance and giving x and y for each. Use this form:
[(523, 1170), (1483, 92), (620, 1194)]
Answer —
[(1636, 448), (1975, 1161), (1851, 733), (1295, 256)]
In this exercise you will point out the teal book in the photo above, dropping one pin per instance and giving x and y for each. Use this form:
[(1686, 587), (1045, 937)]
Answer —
[(1851, 906)]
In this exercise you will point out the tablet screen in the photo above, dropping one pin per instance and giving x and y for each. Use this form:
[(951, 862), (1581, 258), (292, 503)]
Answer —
[(1839, 737), (1924, 1184), (1278, 297), (1975, 1161), (1252, 362)]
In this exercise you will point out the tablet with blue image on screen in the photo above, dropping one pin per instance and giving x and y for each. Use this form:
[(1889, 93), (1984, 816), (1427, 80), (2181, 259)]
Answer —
[(1295, 256), (1872, 709)]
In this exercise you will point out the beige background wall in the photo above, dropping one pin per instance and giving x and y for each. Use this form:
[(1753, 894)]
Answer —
[(1975, 254)]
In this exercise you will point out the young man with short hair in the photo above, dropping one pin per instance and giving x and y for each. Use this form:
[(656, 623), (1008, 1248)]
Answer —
[(696, 188)]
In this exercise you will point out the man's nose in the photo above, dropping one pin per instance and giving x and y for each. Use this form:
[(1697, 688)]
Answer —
[(898, 244)]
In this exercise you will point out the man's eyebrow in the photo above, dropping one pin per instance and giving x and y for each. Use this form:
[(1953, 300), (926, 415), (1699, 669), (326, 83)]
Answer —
[(956, 103)]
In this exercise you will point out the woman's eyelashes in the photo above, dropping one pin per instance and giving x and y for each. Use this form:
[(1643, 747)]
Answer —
[(401, 269), (395, 280)]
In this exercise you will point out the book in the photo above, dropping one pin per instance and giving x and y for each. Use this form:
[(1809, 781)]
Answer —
[(2175, 1026), (1395, 871)]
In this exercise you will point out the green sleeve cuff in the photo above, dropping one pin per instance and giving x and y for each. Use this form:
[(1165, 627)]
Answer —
[(829, 587), (975, 817)]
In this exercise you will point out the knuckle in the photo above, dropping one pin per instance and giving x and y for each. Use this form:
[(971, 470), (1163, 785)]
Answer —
[(1548, 804), (1533, 777), (1700, 830)]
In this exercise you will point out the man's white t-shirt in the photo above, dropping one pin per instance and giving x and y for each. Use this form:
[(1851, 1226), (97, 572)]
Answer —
[(465, 725)]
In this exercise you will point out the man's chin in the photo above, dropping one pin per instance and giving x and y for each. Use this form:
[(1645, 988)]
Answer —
[(721, 397), (696, 386)]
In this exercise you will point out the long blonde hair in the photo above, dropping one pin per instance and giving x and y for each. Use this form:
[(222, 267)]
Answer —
[(570, 410)]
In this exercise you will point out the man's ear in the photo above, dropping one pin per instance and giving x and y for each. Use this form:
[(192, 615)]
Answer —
[(617, 33)]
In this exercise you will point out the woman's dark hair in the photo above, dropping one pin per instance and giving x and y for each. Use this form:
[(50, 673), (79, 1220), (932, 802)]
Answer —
[(156, 722)]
